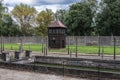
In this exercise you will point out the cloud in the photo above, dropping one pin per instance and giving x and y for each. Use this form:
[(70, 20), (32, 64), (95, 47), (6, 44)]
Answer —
[(53, 7), (43, 7), (10, 8), (52, 2), (41, 4), (14, 2)]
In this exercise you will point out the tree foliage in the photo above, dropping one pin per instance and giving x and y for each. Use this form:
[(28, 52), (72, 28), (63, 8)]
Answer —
[(2, 10), (8, 28), (61, 15), (80, 18), (25, 16), (44, 18), (108, 19)]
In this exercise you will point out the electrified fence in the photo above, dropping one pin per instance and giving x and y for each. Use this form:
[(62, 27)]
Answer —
[(82, 40), (76, 45), (109, 45)]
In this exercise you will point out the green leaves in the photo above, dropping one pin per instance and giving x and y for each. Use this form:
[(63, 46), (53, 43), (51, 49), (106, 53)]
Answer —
[(83, 18), (80, 18), (108, 21), (25, 16), (43, 19), (8, 28)]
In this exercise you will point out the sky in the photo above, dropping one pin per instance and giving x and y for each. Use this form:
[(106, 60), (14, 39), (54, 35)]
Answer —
[(41, 4)]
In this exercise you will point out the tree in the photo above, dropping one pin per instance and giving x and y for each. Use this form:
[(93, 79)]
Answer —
[(108, 18), (61, 15), (8, 28), (3, 12), (44, 18), (80, 18), (25, 16)]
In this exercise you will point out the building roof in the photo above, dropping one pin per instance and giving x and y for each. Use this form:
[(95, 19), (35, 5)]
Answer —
[(57, 23)]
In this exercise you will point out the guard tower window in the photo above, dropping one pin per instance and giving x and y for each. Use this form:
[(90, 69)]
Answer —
[(50, 30), (57, 31), (60, 30), (63, 31), (53, 31)]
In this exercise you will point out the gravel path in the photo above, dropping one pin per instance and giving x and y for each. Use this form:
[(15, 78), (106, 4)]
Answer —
[(6, 74)]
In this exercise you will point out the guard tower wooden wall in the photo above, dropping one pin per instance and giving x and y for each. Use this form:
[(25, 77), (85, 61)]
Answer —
[(57, 35)]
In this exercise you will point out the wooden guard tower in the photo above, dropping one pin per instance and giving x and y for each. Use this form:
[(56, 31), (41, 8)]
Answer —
[(57, 35)]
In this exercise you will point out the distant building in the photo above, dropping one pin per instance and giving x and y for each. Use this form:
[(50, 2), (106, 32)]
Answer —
[(57, 35)]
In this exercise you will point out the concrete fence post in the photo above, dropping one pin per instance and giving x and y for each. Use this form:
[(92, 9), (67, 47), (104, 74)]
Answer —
[(98, 45), (114, 48), (42, 45), (1, 44), (76, 47), (102, 52), (21, 45), (46, 46), (68, 45), (70, 54), (10, 43)]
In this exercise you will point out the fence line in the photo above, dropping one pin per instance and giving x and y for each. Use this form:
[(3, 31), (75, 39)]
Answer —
[(82, 40)]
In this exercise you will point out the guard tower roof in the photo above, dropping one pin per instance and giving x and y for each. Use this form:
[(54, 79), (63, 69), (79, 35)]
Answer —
[(57, 23)]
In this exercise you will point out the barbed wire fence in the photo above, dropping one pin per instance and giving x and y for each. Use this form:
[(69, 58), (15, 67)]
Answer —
[(100, 41)]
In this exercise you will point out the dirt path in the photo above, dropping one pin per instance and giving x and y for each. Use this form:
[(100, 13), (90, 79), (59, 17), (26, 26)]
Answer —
[(6, 74)]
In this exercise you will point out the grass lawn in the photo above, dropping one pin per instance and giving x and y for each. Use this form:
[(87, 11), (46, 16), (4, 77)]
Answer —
[(81, 49)]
